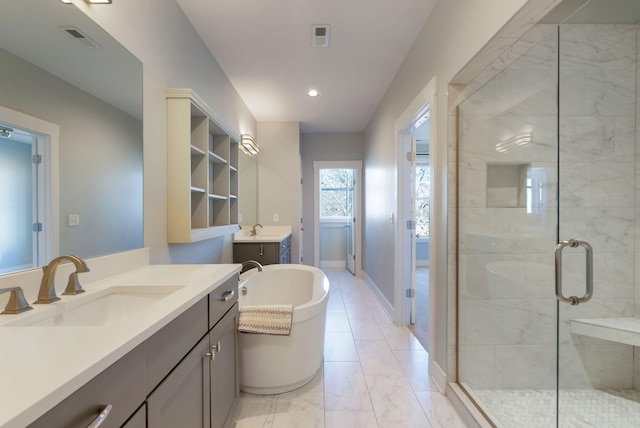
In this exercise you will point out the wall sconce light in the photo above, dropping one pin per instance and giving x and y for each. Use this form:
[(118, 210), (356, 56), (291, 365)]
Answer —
[(518, 140), (89, 1), (248, 145)]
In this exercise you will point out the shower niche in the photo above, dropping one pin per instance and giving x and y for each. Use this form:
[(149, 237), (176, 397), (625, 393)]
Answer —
[(519, 185)]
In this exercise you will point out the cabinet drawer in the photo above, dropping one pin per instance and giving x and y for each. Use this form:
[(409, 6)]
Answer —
[(221, 299), (167, 347), (121, 385)]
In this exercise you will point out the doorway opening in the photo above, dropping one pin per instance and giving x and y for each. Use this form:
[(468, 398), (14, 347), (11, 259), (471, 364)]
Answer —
[(417, 230), (337, 213), (419, 315), (22, 240), (29, 234)]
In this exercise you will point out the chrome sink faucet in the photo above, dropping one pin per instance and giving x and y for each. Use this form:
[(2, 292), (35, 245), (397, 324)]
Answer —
[(252, 263), (47, 293), (253, 231)]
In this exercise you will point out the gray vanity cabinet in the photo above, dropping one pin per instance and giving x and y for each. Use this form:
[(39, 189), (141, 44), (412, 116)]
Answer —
[(139, 418), (266, 253), (202, 391), (184, 375), (224, 378), (121, 385), (182, 399)]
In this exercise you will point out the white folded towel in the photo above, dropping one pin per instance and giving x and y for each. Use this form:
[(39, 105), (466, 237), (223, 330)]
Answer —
[(266, 319)]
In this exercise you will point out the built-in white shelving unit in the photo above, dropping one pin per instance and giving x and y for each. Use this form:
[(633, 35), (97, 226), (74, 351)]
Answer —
[(202, 170)]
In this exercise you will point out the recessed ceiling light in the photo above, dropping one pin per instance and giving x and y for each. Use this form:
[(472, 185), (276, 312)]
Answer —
[(313, 93)]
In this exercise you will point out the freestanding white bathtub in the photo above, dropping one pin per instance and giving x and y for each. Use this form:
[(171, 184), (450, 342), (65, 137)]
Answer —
[(275, 364)]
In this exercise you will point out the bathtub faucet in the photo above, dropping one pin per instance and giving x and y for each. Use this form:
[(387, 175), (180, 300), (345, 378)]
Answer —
[(252, 263)]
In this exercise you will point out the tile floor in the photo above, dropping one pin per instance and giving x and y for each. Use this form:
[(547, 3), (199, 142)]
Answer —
[(375, 374)]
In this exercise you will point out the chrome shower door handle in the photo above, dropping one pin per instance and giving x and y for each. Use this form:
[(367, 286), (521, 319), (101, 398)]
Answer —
[(574, 243)]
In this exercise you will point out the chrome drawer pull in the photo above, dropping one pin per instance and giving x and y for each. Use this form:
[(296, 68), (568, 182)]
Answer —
[(101, 417), (228, 295)]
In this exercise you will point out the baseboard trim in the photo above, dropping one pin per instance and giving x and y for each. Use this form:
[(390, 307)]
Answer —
[(333, 263), (438, 375), (386, 306)]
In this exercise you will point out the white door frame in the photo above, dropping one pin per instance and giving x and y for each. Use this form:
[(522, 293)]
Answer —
[(426, 99), (317, 166), (49, 134)]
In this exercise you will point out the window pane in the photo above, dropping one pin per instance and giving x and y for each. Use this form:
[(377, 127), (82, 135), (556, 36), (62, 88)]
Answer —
[(423, 200), (336, 186)]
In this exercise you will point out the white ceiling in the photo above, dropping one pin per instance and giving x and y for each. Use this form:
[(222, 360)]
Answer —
[(264, 47)]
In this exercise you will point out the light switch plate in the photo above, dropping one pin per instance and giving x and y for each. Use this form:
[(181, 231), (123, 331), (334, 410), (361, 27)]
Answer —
[(73, 220)]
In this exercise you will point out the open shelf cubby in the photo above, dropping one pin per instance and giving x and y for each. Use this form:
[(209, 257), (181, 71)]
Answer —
[(202, 170)]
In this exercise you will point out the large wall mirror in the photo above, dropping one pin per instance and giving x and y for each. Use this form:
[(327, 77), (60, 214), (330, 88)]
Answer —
[(248, 166), (83, 194)]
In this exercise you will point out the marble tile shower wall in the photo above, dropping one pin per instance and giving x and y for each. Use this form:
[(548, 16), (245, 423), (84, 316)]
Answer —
[(507, 230)]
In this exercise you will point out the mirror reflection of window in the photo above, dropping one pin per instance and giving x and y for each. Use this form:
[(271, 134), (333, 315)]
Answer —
[(536, 185)]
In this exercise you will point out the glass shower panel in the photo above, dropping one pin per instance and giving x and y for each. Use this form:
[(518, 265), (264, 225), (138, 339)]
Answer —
[(507, 226), (598, 54)]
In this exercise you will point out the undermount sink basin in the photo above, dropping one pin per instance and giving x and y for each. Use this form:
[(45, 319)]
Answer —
[(102, 307)]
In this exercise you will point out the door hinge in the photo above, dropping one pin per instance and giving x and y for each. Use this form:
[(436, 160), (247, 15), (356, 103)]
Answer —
[(411, 156), (411, 224), (411, 292), (37, 227), (36, 159), (354, 219)]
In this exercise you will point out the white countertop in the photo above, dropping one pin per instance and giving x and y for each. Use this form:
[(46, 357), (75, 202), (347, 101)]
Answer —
[(263, 234), (41, 366)]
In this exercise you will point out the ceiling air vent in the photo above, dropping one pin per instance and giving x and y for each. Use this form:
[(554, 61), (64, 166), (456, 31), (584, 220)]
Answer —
[(81, 37), (320, 35)]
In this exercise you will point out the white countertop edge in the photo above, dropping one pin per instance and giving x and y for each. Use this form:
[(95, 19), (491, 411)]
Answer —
[(264, 234), (47, 374)]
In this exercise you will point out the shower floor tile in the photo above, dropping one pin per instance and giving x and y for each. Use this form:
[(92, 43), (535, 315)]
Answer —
[(578, 408)]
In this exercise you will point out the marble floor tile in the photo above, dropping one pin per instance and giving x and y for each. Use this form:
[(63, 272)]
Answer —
[(364, 329), (381, 317), (337, 321), (345, 387), (339, 346), (439, 410), (335, 305), (400, 338), (358, 310), (341, 419), (394, 402), (300, 409), (255, 411), (376, 357), (366, 382), (415, 366)]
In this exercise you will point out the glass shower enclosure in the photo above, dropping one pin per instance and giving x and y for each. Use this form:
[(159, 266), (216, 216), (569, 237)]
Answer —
[(548, 202)]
